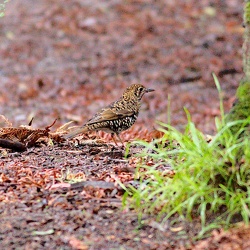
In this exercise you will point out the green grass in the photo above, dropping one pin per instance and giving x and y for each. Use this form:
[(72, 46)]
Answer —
[(2, 8), (211, 177)]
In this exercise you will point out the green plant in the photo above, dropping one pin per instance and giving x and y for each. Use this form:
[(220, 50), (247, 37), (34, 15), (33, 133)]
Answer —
[(211, 176), (2, 7)]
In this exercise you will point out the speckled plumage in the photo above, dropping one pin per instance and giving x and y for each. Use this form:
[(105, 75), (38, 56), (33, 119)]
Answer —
[(118, 116)]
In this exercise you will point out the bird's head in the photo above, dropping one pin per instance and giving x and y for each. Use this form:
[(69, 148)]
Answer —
[(136, 91)]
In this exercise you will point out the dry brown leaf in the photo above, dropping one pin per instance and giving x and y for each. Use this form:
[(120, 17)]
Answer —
[(77, 244), (5, 121), (28, 135)]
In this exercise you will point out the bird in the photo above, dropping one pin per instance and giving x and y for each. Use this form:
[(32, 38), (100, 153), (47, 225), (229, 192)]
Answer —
[(118, 116)]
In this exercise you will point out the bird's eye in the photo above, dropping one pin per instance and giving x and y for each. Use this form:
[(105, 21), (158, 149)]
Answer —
[(140, 89), (139, 92)]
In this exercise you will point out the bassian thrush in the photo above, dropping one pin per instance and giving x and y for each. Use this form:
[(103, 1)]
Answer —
[(117, 116)]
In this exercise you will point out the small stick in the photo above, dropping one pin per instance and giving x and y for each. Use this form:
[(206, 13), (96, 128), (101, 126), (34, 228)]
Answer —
[(14, 145)]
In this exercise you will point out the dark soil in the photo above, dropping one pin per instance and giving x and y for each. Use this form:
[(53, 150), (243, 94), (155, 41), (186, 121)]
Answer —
[(66, 59)]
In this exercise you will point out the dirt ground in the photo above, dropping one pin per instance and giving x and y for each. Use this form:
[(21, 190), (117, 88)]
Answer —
[(66, 59)]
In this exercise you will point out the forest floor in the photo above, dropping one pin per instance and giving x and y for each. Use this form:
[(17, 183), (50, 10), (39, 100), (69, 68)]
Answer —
[(64, 60)]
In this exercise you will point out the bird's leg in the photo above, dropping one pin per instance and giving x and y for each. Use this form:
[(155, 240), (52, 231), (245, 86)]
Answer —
[(120, 139), (118, 136), (113, 138)]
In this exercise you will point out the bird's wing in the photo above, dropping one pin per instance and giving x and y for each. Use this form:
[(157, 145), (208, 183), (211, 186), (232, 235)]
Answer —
[(103, 116), (109, 115)]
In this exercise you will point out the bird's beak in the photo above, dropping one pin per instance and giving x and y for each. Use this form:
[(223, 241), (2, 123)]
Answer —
[(149, 90)]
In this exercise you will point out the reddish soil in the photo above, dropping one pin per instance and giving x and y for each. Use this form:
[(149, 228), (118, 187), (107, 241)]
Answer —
[(66, 59)]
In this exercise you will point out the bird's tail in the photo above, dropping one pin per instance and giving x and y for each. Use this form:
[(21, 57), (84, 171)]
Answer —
[(75, 132)]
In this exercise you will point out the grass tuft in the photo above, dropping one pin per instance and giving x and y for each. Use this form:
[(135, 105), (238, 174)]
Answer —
[(211, 177)]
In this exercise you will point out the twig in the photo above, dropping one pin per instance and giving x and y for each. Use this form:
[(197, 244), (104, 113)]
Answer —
[(14, 145)]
